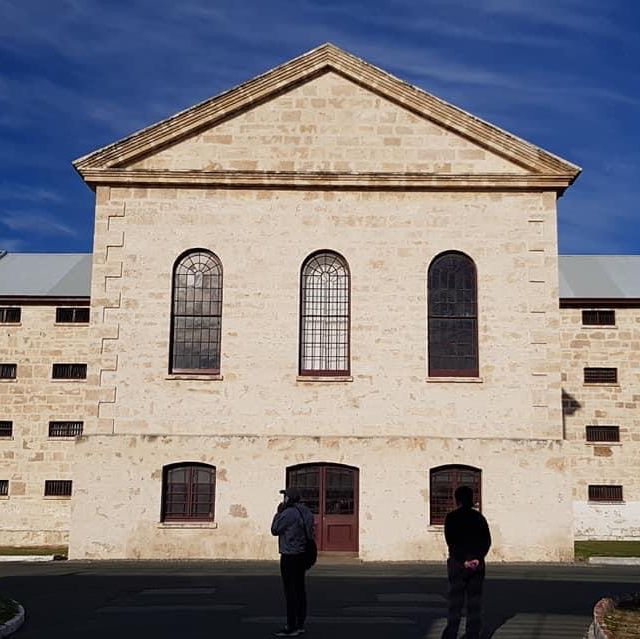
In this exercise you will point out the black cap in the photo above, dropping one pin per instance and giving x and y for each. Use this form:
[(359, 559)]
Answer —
[(292, 493)]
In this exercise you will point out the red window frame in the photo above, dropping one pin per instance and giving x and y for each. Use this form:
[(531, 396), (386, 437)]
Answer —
[(183, 497), (443, 483)]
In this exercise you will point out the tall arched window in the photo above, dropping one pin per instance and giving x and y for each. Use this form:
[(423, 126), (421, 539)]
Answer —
[(196, 313), (188, 492), (453, 316), (324, 315), (443, 482)]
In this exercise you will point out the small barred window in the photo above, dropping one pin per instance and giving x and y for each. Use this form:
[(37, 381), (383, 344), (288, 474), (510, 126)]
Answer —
[(598, 318), (603, 433), (605, 493), (65, 429), (600, 375), (69, 371), (71, 315), (6, 428), (10, 315), (8, 371), (4, 487), (57, 488)]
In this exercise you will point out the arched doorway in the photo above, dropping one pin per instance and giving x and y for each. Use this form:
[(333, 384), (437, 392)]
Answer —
[(331, 492)]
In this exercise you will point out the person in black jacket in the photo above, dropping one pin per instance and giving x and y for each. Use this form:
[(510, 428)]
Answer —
[(467, 534)]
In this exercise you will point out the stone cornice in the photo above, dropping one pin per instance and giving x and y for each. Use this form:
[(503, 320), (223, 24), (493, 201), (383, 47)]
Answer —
[(299, 70), (323, 180)]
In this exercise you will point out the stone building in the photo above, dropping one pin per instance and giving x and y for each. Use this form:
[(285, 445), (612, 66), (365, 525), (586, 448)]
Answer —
[(324, 277)]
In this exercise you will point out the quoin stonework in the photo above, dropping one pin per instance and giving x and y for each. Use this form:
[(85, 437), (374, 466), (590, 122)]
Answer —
[(329, 278)]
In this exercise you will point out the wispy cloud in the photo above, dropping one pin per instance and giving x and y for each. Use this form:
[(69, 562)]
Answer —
[(34, 222), (27, 193)]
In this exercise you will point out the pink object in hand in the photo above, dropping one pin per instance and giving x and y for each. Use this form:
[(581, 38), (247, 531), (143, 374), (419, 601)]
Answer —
[(472, 564)]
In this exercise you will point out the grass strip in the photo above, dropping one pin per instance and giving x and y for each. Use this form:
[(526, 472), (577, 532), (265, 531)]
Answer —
[(586, 549), (34, 550)]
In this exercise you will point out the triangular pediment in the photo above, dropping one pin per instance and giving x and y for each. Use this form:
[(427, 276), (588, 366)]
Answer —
[(326, 111)]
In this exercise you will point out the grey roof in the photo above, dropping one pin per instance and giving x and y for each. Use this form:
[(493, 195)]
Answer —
[(69, 275), (599, 276), (45, 274)]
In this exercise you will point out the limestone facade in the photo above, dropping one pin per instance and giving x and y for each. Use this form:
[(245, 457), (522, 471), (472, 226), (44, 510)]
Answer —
[(30, 457), (603, 463), (325, 152)]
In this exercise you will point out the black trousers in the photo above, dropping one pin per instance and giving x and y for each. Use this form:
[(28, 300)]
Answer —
[(292, 571), (464, 582)]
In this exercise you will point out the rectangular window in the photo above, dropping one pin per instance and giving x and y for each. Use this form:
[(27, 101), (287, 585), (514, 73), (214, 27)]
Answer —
[(10, 315), (598, 318), (4, 487), (70, 315), (69, 371), (603, 433), (6, 428), (605, 493), (57, 488), (8, 371), (600, 375), (65, 429)]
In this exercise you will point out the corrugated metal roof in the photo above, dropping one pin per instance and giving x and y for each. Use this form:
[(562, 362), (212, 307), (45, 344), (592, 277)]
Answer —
[(69, 275), (599, 276), (46, 274)]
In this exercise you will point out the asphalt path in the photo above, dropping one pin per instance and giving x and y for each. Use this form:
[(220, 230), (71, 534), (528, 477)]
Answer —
[(74, 600)]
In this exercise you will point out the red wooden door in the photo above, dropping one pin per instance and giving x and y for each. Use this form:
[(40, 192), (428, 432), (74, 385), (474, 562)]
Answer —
[(331, 492)]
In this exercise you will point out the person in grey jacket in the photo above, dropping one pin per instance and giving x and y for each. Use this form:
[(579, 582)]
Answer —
[(293, 524)]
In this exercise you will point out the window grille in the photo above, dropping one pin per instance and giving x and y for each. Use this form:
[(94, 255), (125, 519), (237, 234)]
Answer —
[(196, 316), (71, 315), (598, 318), (188, 492), (6, 428), (453, 316), (4, 487), (600, 375), (603, 433), (65, 429), (444, 482), (605, 493), (10, 315), (57, 488), (69, 371), (325, 315), (8, 371)]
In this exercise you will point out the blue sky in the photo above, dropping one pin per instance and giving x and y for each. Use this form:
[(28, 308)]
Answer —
[(78, 74)]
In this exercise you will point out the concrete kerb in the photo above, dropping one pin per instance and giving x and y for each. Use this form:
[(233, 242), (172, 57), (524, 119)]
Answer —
[(27, 557), (615, 561), (9, 627)]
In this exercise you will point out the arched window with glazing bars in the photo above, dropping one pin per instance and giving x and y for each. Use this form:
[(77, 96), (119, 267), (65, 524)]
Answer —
[(196, 313), (188, 492), (453, 316), (325, 315)]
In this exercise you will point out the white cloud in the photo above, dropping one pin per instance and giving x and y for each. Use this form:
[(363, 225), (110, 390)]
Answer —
[(37, 223)]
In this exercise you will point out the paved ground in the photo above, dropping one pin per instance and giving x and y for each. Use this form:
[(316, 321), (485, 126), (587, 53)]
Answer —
[(243, 600)]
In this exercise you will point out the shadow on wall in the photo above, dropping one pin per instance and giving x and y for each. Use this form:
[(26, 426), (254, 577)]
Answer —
[(570, 406)]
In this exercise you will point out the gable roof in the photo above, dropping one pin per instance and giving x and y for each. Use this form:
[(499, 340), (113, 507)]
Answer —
[(325, 58), (599, 277), (45, 275)]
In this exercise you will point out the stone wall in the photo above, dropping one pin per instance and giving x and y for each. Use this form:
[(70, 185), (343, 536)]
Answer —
[(120, 482), (615, 405), (30, 457)]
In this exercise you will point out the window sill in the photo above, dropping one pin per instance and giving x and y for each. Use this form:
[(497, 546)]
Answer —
[(58, 497), (9, 438), (195, 376), (608, 327), (9, 324), (66, 438), (211, 525), (5, 380), (455, 380), (67, 381), (435, 528), (324, 378), (603, 444), (71, 323), (606, 503), (4, 497), (600, 385)]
